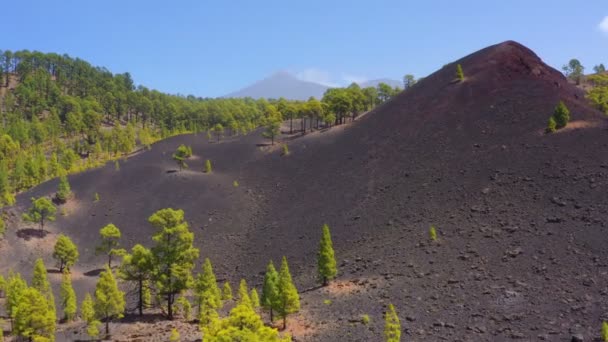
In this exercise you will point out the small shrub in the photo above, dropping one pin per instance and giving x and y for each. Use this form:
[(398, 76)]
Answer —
[(285, 150), (459, 73), (365, 319), (327, 302), (96, 198), (561, 115), (174, 336), (605, 331), (433, 233), (235, 184), (208, 166), (551, 126)]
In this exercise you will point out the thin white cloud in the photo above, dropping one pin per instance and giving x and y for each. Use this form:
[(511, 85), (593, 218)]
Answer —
[(317, 76), (603, 26), (347, 78)]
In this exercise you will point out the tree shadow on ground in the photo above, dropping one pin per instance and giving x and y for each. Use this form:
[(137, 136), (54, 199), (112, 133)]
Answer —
[(31, 233), (53, 271), (94, 273)]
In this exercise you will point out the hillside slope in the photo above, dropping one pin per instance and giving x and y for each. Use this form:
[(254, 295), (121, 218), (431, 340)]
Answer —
[(522, 216)]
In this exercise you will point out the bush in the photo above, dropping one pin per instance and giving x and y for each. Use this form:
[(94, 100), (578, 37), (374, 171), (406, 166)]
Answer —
[(235, 184), (285, 150), (551, 126), (365, 319), (327, 302), (459, 73), (208, 166), (605, 331), (433, 233), (561, 115), (96, 197), (64, 191)]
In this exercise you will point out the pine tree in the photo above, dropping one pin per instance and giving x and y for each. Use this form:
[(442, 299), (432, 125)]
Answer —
[(1, 331), (181, 154), (244, 293), (65, 252), (33, 319), (459, 73), (326, 260), (207, 313), (14, 291), (227, 291), (64, 190), (206, 285), (41, 283), (289, 300), (173, 254), (255, 299), (208, 166), (137, 267), (392, 325), (68, 297), (561, 115), (42, 210), (185, 307), (110, 240), (109, 300), (270, 290), (605, 331), (87, 312), (2, 286)]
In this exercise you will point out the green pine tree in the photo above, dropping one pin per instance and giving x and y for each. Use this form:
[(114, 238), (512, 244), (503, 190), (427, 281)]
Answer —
[(185, 307), (33, 318), (173, 254), (109, 242), (255, 299), (244, 293), (326, 260), (15, 287), (68, 297), (289, 299), (41, 283), (605, 331), (109, 300), (206, 285), (42, 210), (64, 190), (270, 290), (226, 291), (392, 325), (137, 267), (65, 252), (208, 166), (2, 226), (87, 312)]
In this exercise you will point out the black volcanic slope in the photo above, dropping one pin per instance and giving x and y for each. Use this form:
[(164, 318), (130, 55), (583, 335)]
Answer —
[(522, 216)]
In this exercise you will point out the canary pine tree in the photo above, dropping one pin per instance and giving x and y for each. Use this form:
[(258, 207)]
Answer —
[(65, 252), (41, 283), (110, 241), (33, 318), (206, 286), (255, 299), (173, 254), (227, 291), (42, 210), (109, 300), (87, 312), (244, 293), (270, 290), (326, 261), (137, 267), (289, 299), (68, 297)]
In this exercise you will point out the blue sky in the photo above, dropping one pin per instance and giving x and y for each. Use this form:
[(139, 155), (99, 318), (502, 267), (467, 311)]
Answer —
[(213, 47)]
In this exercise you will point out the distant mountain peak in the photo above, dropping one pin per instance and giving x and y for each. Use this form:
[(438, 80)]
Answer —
[(281, 84)]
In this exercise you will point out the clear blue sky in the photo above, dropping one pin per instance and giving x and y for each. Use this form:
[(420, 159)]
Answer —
[(212, 47)]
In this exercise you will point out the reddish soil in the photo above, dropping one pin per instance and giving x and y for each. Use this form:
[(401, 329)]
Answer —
[(522, 216)]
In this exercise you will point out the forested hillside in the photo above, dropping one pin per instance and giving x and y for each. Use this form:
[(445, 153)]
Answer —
[(60, 114)]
